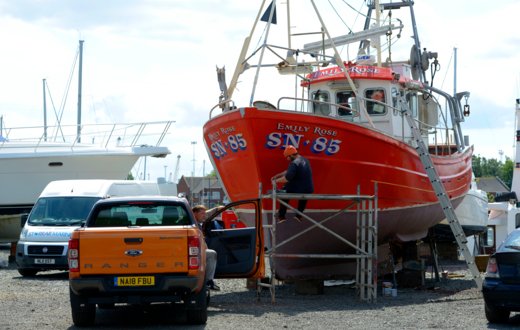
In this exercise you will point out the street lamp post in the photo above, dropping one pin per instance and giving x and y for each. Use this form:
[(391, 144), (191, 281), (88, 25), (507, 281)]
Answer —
[(193, 143)]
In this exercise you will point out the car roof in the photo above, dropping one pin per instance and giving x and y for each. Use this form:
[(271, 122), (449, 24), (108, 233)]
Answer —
[(123, 199)]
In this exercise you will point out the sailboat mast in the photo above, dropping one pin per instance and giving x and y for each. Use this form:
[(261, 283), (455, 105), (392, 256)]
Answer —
[(44, 112), (80, 73)]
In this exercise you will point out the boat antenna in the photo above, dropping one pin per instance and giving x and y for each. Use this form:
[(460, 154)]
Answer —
[(454, 70)]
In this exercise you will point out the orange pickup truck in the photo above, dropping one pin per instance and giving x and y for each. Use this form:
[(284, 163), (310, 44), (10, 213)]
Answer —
[(142, 250)]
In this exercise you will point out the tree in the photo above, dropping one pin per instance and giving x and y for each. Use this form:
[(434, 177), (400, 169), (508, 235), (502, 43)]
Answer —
[(506, 172), (491, 167)]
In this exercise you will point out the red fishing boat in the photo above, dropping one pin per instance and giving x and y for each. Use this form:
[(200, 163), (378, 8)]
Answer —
[(347, 117)]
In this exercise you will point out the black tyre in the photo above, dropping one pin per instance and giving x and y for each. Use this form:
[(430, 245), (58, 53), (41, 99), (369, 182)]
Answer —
[(83, 313), (197, 307), (496, 315), (27, 272)]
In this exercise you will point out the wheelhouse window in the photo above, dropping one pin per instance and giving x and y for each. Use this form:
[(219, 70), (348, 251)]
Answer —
[(321, 103), (374, 107), (342, 100)]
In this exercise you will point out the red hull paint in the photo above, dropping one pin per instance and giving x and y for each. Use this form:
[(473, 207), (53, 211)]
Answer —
[(342, 155), (246, 147)]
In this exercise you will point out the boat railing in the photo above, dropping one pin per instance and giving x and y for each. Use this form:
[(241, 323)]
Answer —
[(351, 112), (100, 135), (300, 105), (224, 105)]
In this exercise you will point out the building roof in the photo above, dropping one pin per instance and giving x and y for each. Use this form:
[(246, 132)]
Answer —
[(491, 185)]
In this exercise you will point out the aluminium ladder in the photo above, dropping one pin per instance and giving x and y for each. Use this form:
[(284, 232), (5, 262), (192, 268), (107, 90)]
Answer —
[(444, 200)]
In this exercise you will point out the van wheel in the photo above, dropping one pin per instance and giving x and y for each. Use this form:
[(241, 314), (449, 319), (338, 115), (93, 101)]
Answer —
[(197, 312), (83, 313), (27, 271)]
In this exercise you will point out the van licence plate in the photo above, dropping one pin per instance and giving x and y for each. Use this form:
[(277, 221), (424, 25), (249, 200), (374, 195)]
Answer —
[(44, 261), (134, 281)]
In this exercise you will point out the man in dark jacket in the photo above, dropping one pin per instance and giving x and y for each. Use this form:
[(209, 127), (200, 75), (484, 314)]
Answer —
[(201, 213), (297, 179)]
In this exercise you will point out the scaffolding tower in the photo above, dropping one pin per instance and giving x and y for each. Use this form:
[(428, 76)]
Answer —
[(365, 246)]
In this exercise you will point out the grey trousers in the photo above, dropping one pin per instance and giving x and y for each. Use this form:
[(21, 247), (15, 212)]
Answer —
[(211, 264)]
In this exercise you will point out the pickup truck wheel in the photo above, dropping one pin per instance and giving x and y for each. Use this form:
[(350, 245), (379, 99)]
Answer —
[(83, 313), (198, 313), (27, 271)]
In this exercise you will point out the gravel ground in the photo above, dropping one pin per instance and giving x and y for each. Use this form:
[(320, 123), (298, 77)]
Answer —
[(42, 302)]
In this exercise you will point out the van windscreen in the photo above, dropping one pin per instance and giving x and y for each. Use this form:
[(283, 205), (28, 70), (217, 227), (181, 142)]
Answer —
[(61, 211)]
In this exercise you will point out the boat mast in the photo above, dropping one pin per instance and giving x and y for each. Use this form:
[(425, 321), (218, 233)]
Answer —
[(378, 40), (289, 43), (515, 184), (80, 73), (44, 112), (239, 68), (417, 43), (262, 52), (454, 71)]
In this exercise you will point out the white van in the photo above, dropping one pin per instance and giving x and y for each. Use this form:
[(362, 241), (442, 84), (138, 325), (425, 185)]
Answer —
[(62, 207)]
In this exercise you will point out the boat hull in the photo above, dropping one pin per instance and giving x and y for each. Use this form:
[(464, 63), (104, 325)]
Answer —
[(472, 214), (28, 176), (246, 148), (10, 227)]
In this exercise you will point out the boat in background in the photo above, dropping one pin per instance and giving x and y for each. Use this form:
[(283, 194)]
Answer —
[(29, 161), (10, 227), (504, 213), (346, 115), (31, 157), (472, 214)]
